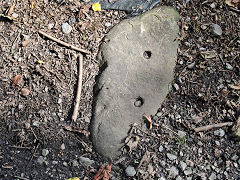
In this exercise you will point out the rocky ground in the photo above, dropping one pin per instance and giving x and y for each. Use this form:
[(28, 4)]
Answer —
[(37, 105)]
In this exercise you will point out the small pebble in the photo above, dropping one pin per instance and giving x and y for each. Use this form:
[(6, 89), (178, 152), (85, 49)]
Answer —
[(25, 91), (203, 27), (65, 163), (235, 157), (85, 161), (229, 66), (217, 143), (50, 25), (213, 176), (212, 5), (159, 114), (27, 125), (171, 156), (108, 24), (183, 165), (130, 171), (54, 162), (15, 15), (60, 101), (66, 28), (62, 146), (71, 20), (179, 178), (45, 152), (75, 163), (216, 30), (219, 132), (175, 85), (188, 171), (173, 172), (40, 160), (191, 66), (35, 123), (160, 149)]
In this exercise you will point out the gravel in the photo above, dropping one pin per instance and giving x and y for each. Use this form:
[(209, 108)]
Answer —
[(219, 132), (45, 152), (40, 160), (74, 163), (85, 161), (229, 66), (188, 171), (179, 178), (216, 30), (176, 86), (213, 176), (173, 172), (160, 149), (130, 171), (171, 156), (183, 165), (66, 28), (108, 24), (62, 146)]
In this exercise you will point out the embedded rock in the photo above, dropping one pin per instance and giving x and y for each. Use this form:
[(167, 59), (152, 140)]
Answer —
[(137, 60)]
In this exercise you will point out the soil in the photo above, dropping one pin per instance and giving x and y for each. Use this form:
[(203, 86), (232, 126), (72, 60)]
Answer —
[(200, 94)]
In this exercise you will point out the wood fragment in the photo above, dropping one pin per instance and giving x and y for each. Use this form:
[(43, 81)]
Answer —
[(77, 130), (212, 126), (79, 89), (64, 43)]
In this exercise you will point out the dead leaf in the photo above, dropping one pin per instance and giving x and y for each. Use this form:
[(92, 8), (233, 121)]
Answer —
[(208, 54), (77, 130), (232, 3), (102, 173), (26, 42), (149, 119), (132, 143), (236, 87), (17, 80)]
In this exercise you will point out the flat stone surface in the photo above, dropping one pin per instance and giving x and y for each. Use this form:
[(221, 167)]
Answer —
[(137, 60)]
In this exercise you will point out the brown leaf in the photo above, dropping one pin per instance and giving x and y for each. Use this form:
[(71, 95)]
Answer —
[(149, 119), (17, 80), (232, 3), (99, 174), (77, 130), (107, 172), (236, 87)]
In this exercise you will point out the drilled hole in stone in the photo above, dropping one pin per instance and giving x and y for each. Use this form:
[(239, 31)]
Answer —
[(147, 54), (138, 102)]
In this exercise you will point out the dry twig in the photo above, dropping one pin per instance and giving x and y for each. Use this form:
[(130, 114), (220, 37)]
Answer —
[(63, 43), (79, 89), (208, 127)]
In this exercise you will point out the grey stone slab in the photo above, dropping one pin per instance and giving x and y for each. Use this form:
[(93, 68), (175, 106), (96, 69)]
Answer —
[(137, 60)]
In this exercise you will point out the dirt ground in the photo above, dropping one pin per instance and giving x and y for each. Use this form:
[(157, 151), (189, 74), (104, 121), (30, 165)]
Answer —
[(37, 105)]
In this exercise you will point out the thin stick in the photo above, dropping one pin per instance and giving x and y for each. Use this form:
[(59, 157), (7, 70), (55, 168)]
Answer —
[(19, 147), (208, 127), (79, 88), (20, 177), (64, 43)]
